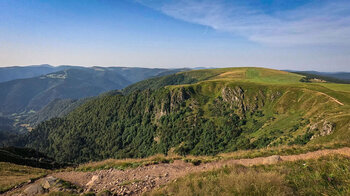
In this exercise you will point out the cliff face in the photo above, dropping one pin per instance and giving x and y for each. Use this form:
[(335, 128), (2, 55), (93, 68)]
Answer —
[(237, 98), (171, 101)]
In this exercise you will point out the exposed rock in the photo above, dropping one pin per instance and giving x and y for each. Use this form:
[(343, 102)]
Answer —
[(272, 159), (313, 127), (93, 181), (178, 97), (234, 96), (172, 102), (162, 111), (34, 189), (326, 129), (48, 182)]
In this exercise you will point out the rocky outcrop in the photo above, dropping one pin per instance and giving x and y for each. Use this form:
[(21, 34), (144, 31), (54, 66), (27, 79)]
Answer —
[(48, 182), (327, 128), (234, 96), (177, 98), (172, 102), (240, 102)]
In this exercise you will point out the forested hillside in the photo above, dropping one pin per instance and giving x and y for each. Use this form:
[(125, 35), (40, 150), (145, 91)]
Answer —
[(220, 110), (56, 108), (6, 130), (340, 77), (24, 95)]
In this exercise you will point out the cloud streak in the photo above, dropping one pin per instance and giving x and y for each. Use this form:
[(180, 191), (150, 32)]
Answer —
[(316, 23)]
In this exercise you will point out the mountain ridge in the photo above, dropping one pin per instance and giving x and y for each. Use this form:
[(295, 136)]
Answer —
[(200, 112), (24, 95)]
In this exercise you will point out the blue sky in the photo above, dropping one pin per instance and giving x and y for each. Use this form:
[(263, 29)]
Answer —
[(281, 34)]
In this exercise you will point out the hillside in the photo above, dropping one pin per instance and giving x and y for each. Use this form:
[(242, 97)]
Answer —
[(24, 95), (134, 74), (6, 130), (18, 72), (340, 76), (258, 75), (28, 157), (56, 108), (32, 94), (202, 112)]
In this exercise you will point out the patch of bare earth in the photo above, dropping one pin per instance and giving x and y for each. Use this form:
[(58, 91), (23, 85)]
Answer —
[(142, 179)]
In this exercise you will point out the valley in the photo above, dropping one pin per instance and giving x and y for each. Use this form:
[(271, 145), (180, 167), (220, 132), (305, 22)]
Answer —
[(174, 98), (55, 91), (172, 131)]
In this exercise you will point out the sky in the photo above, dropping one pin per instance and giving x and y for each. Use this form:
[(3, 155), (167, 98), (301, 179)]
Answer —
[(280, 34)]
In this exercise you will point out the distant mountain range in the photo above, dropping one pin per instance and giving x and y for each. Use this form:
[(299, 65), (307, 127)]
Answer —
[(19, 72), (23, 95), (336, 77)]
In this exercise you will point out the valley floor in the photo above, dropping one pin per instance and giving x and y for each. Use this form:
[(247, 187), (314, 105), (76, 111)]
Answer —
[(152, 177)]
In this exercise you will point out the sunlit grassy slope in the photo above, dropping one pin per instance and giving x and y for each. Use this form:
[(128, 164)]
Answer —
[(12, 175), (301, 104), (251, 74)]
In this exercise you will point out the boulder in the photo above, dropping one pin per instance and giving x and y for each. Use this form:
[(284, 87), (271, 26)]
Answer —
[(93, 181), (34, 189), (272, 159), (48, 182)]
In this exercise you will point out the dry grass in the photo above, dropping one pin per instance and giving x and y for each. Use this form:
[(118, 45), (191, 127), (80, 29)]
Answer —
[(240, 74), (328, 175), (12, 175), (279, 150), (125, 163), (236, 180)]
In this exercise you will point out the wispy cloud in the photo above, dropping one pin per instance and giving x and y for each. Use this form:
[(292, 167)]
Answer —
[(316, 23)]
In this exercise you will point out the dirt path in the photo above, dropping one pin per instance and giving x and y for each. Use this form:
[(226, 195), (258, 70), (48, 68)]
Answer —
[(332, 98), (142, 179)]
